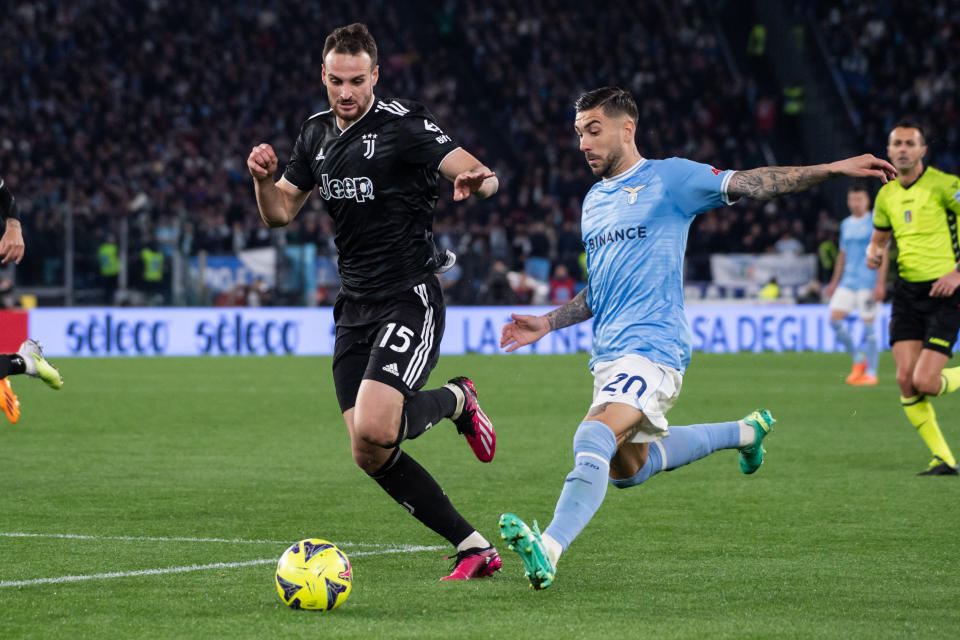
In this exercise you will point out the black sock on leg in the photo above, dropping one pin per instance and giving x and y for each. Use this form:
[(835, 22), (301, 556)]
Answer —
[(11, 365), (424, 410), (415, 490)]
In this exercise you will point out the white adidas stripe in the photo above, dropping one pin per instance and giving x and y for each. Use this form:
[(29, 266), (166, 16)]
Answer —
[(419, 360), (395, 109)]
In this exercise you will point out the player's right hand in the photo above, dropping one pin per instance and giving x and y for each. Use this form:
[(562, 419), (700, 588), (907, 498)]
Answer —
[(11, 244), (262, 162), (828, 291), (522, 331), (865, 166)]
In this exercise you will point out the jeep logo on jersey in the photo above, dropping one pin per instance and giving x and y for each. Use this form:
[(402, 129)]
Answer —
[(360, 189), (369, 141)]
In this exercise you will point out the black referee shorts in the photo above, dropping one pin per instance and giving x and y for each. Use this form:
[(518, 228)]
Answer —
[(917, 316), (395, 341)]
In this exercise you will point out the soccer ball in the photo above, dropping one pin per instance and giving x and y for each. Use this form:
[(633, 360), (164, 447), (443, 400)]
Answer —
[(314, 574)]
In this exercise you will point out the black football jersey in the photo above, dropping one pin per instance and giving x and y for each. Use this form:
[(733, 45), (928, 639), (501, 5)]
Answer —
[(379, 178)]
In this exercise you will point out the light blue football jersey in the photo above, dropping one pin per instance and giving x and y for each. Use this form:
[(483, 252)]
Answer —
[(635, 234), (854, 238)]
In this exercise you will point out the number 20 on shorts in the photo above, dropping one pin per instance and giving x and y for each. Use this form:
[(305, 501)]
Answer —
[(628, 383)]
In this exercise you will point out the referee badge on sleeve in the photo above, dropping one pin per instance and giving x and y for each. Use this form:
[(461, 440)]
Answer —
[(908, 216)]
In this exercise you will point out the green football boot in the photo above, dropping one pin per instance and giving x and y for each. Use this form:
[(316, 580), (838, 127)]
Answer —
[(751, 456), (37, 365), (529, 546)]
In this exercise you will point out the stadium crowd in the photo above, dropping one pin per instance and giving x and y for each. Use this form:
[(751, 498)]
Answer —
[(147, 109), (896, 60)]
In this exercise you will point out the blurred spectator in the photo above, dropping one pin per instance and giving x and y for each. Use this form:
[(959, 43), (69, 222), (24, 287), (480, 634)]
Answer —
[(562, 286), (496, 288), (770, 291), (527, 289), (108, 261)]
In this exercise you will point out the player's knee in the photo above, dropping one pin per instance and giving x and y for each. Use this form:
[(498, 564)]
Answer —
[(375, 430), (928, 385), (619, 473), (905, 382), (625, 465), (366, 457), (377, 424)]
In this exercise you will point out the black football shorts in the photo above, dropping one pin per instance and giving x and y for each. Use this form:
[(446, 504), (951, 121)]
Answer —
[(917, 316), (394, 341)]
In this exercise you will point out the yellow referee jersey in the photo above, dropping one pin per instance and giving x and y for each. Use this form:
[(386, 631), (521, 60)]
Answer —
[(923, 218)]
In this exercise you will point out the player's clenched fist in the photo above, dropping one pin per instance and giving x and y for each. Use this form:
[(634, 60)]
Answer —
[(262, 162)]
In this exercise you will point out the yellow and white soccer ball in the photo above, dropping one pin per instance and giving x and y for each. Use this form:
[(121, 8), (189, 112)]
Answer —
[(314, 574)]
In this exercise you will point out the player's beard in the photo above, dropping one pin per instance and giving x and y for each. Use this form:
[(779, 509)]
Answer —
[(603, 170), (350, 118)]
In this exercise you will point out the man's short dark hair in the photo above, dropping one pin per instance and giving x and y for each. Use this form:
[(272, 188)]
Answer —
[(910, 123), (613, 100), (859, 186), (352, 39)]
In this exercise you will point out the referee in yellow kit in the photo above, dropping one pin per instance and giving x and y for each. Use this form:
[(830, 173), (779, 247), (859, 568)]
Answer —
[(920, 209)]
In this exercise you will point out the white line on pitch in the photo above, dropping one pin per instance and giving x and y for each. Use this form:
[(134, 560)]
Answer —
[(74, 536), (192, 567)]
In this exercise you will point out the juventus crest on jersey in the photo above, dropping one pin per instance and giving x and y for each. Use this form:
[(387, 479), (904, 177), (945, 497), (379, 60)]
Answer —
[(380, 182)]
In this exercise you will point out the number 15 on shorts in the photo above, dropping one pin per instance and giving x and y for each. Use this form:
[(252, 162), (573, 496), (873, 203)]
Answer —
[(400, 339)]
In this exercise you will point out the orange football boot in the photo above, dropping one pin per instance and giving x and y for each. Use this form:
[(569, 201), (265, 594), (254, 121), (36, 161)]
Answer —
[(9, 401)]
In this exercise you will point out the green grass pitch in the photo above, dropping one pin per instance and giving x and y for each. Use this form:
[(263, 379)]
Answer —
[(834, 537)]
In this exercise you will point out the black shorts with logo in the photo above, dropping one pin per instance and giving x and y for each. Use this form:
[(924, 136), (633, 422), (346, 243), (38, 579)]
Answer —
[(917, 316), (394, 341)]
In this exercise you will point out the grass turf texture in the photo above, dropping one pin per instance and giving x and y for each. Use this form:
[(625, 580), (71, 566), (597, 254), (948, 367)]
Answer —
[(835, 536)]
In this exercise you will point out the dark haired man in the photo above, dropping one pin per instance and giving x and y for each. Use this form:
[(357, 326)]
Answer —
[(920, 210), (376, 163), (29, 358), (634, 226), (854, 287)]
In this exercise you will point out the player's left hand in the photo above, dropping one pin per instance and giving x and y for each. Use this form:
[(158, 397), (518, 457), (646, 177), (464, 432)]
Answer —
[(945, 285), (469, 182), (11, 244), (865, 166)]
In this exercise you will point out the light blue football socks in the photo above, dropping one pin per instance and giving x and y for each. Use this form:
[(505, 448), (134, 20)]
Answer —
[(593, 446), (844, 338), (870, 348), (683, 446)]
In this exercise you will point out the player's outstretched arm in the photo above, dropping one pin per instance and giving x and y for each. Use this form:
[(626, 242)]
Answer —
[(469, 175), (526, 330), (769, 182), (279, 202)]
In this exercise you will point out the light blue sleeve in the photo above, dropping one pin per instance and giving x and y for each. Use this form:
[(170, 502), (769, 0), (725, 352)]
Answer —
[(695, 187)]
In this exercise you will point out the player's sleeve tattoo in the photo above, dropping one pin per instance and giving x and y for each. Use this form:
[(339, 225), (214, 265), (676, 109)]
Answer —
[(571, 313), (769, 182)]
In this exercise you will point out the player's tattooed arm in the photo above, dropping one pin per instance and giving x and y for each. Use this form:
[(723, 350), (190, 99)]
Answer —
[(769, 182), (523, 330), (573, 312)]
